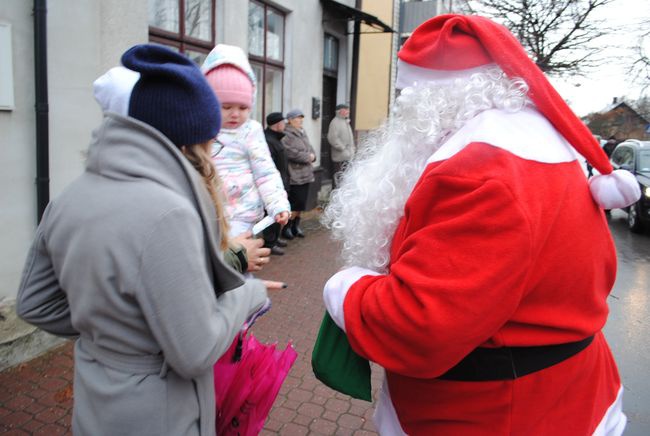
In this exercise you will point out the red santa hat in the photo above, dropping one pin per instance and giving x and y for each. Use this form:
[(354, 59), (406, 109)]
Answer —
[(452, 45)]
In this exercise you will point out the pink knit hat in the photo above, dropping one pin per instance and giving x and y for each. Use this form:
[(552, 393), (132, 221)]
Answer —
[(231, 85)]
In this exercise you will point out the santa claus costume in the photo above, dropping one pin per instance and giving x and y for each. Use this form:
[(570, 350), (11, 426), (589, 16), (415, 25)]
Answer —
[(479, 259)]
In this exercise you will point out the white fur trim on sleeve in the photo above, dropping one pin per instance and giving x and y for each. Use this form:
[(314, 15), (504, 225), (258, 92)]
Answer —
[(616, 190), (337, 288)]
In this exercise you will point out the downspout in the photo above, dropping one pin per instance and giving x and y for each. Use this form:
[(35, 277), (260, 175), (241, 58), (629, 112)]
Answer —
[(41, 107), (355, 67)]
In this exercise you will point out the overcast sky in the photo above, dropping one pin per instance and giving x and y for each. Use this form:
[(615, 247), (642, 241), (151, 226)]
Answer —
[(596, 91)]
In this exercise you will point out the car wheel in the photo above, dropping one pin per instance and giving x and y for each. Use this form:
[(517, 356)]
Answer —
[(633, 222)]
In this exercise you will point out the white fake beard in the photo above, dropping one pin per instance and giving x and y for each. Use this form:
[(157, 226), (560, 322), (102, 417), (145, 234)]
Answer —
[(366, 208)]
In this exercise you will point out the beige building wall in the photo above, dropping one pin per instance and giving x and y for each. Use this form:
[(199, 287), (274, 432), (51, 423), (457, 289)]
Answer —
[(373, 88)]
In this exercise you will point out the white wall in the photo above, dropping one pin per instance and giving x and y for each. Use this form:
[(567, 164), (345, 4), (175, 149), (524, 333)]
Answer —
[(85, 38), (17, 155), (120, 30), (232, 23)]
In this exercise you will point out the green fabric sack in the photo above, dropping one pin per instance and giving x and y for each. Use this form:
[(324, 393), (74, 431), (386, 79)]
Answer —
[(337, 365)]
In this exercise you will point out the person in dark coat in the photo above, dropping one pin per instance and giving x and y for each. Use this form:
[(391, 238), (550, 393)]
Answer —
[(274, 133), (610, 145)]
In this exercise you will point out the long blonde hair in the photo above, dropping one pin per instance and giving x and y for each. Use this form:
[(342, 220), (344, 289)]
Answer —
[(199, 157)]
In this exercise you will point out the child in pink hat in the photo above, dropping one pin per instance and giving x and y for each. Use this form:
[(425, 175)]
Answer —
[(251, 182)]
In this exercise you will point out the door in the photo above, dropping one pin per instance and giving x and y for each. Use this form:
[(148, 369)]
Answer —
[(328, 108), (330, 84)]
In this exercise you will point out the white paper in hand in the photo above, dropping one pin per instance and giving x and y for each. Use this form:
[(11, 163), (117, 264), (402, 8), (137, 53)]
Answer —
[(262, 224)]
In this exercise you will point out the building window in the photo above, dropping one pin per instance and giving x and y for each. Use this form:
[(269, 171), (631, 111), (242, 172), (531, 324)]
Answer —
[(266, 51), (183, 25), (331, 54)]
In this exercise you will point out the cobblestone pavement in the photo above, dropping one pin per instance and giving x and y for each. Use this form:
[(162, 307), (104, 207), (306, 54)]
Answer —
[(36, 396)]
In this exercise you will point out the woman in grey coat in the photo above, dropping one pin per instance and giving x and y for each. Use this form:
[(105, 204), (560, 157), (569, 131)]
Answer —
[(300, 155), (128, 260)]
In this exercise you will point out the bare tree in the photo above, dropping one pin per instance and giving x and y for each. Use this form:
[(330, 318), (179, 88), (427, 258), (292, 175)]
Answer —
[(562, 36), (640, 69)]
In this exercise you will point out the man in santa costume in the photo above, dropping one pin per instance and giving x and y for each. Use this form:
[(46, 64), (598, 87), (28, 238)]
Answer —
[(478, 257)]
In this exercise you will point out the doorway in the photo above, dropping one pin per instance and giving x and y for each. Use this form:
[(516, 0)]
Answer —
[(330, 86), (328, 108)]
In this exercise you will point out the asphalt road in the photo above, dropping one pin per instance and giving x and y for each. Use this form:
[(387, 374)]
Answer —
[(628, 326)]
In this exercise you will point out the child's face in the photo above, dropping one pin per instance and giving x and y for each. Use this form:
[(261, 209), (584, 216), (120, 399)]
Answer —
[(234, 115)]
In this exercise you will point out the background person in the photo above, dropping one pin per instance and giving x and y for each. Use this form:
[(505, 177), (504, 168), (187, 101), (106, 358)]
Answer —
[(341, 139), (127, 260), (484, 304), (300, 154), (610, 145), (274, 133), (250, 179)]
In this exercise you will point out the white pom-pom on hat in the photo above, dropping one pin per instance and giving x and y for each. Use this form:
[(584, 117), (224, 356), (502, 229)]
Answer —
[(615, 190), (112, 90)]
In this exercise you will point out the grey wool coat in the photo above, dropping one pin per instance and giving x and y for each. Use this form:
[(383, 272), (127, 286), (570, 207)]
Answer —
[(127, 260), (297, 148)]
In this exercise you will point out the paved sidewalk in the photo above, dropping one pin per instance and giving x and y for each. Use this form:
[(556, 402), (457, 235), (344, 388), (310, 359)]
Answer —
[(36, 396)]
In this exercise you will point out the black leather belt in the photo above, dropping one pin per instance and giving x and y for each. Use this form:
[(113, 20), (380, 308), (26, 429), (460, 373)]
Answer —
[(509, 363)]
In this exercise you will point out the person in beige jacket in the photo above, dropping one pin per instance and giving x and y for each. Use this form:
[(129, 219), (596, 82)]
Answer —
[(341, 139), (128, 260)]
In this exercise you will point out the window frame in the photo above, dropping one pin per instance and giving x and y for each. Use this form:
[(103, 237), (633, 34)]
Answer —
[(623, 154), (179, 39), (332, 72), (263, 61)]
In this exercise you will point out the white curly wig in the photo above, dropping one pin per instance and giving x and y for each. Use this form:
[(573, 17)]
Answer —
[(366, 208)]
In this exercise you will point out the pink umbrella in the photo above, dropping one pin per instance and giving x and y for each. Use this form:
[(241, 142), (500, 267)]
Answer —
[(247, 379)]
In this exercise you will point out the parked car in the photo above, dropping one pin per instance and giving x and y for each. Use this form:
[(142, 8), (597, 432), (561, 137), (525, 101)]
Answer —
[(634, 155)]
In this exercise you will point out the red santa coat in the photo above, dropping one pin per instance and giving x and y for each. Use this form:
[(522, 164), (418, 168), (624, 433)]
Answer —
[(500, 245)]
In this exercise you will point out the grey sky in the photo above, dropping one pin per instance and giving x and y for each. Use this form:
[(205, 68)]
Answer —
[(597, 90)]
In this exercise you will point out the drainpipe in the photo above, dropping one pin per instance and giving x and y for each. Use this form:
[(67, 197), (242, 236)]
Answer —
[(355, 68), (41, 107)]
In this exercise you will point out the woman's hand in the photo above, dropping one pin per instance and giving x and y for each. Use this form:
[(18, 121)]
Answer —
[(282, 218), (273, 285), (257, 255)]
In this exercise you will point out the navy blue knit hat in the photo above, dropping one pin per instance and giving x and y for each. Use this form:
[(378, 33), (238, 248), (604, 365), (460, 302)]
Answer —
[(172, 95)]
